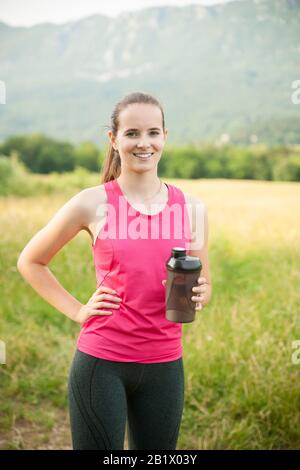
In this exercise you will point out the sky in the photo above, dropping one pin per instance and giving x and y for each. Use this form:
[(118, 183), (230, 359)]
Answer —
[(30, 12)]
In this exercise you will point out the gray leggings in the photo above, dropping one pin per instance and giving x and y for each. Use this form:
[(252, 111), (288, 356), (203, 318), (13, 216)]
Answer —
[(105, 395)]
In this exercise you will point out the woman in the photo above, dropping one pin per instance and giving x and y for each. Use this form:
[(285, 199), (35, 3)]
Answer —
[(127, 366)]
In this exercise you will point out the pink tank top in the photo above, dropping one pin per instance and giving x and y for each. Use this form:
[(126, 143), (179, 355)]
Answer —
[(130, 255)]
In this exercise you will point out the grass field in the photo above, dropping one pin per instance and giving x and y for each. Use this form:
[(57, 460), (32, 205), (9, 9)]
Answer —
[(241, 386)]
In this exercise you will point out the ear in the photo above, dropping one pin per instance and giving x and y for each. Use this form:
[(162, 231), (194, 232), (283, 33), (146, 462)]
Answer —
[(166, 133), (111, 138)]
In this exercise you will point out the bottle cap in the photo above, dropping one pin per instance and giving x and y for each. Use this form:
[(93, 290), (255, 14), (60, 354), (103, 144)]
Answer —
[(181, 262)]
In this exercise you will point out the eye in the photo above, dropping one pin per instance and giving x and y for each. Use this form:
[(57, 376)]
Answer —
[(152, 132)]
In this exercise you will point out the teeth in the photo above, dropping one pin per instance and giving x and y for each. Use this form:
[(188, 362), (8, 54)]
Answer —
[(142, 155)]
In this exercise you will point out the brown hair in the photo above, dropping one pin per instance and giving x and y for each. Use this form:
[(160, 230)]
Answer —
[(111, 167)]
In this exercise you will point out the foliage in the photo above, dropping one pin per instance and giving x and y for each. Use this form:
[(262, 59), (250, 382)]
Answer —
[(40, 154)]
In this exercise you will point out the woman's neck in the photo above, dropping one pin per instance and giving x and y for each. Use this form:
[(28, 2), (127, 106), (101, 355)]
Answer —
[(139, 187)]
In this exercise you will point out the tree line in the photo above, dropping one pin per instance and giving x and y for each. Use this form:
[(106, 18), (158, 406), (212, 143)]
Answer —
[(42, 154)]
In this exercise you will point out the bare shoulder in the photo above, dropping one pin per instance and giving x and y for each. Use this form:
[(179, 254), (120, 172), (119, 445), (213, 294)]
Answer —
[(93, 202), (198, 217), (90, 198), (199, 241), (188, 196), (194, 201)]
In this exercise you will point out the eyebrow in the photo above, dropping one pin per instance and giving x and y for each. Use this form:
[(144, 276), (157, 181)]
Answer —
[(151, 129)]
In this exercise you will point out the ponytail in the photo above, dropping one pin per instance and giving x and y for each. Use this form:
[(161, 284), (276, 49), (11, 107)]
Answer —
[(111, 165)]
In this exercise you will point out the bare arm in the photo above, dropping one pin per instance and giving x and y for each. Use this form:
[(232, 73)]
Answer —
[(199, 246), (33, 260)]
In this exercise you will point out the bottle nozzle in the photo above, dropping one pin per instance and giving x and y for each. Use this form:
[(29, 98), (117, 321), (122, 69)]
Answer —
[(178, 252)]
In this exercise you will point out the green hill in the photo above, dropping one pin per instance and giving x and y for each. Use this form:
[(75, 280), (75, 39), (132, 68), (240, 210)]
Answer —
[(225, 69)]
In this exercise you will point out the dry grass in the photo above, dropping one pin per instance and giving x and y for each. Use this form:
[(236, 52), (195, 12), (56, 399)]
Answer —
[(241, 386)]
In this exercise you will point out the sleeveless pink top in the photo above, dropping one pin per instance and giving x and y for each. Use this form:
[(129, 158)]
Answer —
[(130, 256)]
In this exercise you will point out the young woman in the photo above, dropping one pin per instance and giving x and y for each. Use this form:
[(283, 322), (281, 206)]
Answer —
[(128, 364)]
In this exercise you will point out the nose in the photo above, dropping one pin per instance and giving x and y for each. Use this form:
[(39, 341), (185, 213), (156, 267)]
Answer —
[(143, 143)]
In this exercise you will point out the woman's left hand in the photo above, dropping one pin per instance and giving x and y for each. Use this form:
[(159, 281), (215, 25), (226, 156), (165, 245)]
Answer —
[(201, 293)]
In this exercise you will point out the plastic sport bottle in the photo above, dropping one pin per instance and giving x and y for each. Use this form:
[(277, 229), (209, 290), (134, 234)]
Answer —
[(183, 272)]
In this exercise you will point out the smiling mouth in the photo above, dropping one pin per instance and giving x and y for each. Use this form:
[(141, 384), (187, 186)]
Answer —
[(143, 156)]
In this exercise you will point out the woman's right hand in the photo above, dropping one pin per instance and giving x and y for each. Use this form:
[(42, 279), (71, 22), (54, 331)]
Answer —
[(98, 304)]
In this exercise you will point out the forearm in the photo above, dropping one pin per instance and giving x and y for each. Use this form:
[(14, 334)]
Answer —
[(47, 286)]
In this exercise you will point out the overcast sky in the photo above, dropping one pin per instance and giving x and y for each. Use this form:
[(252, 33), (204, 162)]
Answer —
[(29, 12)]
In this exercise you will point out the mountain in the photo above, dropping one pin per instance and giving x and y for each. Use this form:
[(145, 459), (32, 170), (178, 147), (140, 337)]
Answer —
[(224, 69)]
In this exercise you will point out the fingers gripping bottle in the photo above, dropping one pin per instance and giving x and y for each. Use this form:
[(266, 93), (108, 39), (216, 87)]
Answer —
[(183, 273)]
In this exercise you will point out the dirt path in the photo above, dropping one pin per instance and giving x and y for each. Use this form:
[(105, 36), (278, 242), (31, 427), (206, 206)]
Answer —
[(26, 435)]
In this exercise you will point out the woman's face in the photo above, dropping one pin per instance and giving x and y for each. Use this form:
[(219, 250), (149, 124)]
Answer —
[(140, 138)]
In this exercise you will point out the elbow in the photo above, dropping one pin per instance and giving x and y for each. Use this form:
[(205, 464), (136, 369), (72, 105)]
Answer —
[(24, 263), (21, 264)]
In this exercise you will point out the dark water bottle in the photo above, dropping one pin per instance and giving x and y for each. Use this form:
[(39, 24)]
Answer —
[(183, 272)]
